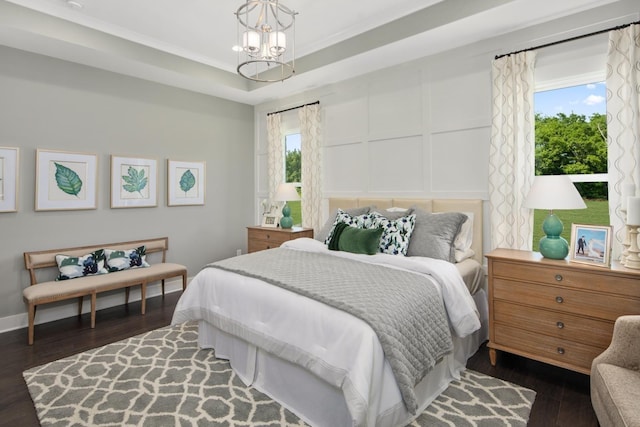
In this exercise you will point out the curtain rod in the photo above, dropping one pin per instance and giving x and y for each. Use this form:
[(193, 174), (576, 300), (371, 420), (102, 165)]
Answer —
[(293, 108), (569, 39)]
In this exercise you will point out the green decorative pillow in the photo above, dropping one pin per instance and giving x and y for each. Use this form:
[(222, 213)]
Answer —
[(356, 240), (359, 221), (118, 260), (87, 265)]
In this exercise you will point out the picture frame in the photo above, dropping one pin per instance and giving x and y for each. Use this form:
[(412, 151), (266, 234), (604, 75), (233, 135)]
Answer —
[(134, 182), (270, 220), (591, 244), (185, 183), (65, 180), (9, 164)]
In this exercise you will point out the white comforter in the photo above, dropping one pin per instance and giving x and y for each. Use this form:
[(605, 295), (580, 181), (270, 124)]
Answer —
[(336, 346)]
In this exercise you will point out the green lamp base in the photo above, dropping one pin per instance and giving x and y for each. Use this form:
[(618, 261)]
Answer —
[(552, 245), (286, 221)]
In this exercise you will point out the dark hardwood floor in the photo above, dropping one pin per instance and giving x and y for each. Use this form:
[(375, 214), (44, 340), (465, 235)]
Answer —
[(562, 396)]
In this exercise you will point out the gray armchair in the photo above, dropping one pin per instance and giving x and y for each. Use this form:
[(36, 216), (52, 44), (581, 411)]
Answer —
[(615, 377)]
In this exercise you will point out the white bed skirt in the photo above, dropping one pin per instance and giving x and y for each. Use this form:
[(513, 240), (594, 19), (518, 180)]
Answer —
[(321, 404)]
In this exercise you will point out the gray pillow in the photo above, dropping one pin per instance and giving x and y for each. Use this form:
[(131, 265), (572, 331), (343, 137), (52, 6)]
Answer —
[(328, 226), (434, 234)]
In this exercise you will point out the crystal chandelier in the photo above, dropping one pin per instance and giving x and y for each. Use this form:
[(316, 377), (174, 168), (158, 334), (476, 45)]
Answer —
[(266, 40)]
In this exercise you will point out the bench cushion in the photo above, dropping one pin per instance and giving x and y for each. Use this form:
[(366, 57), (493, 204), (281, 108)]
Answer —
[(54, 290)]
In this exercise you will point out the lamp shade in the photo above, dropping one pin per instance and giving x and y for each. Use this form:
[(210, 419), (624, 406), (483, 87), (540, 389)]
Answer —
[(553, 192), (286, 192)]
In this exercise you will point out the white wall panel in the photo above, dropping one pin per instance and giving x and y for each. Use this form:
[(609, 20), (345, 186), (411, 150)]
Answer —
[(395, 107), (460, 103), (345, 122), (396, 165), (460, 161), (344, 170)]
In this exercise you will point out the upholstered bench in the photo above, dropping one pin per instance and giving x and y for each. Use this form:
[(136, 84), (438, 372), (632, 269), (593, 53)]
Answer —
[(51, 290)]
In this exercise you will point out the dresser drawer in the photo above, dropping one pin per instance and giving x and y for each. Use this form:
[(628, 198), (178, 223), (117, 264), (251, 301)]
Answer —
[(537, 346), (602, 306), (554, 323), (594, 279)]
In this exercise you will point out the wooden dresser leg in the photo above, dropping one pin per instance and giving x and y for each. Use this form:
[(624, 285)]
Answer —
[(492, 356)]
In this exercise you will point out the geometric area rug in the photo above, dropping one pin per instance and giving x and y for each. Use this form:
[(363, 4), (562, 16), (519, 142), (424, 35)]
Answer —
[(161, 378)]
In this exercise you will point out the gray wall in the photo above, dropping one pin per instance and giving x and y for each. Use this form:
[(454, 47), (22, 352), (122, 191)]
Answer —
[(52, 104)]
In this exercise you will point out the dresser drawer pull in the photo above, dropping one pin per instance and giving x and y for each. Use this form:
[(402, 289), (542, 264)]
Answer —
[(558, 277), (559, 300), (268, 236), (560, 325), (560, 350)]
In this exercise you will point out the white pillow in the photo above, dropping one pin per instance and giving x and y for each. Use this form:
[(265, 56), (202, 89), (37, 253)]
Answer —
[(464, 238)]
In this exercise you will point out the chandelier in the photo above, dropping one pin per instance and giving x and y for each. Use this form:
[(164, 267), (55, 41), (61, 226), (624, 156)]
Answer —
[(266, 40)]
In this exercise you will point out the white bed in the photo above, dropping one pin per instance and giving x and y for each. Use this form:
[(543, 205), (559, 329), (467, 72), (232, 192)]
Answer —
[(325, 365)]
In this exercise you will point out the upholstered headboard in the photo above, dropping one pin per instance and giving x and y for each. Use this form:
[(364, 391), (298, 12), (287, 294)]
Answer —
[(430, 205)]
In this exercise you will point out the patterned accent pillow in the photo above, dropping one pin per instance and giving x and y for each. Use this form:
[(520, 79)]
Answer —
[(397, 233), (118, 260), (359, 221), (87, 265)]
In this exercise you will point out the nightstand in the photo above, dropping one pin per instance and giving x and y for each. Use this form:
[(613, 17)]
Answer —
[(556, 311), (261, 238)]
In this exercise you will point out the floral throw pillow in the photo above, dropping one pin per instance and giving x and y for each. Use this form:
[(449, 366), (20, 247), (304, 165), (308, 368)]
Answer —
[(397, 233), (118, 260), (360, 221), (71, 267)]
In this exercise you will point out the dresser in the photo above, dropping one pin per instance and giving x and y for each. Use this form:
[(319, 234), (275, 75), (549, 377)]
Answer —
[(261, 238), (556, 311)]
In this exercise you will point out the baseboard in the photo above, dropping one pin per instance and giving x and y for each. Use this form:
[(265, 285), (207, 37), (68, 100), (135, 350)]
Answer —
[(50, 312)]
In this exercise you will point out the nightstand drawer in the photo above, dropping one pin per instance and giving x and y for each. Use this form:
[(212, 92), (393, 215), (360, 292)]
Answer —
[(554, 323), (538, 346), (261, 245), (596, 280), (602, 306), (274, 236)]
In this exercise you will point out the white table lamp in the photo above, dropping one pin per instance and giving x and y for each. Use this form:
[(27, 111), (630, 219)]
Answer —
[(286, 192), (553, 192)]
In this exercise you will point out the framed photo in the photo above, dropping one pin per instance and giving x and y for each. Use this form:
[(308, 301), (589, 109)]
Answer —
[(270, 220), (185, 183), (65, 181), (134, 182), (9, 179), (591, 244)]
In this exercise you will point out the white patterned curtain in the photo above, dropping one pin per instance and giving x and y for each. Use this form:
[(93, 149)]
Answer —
[(275, 153), (623, 122), (311, 176), (512, 151)]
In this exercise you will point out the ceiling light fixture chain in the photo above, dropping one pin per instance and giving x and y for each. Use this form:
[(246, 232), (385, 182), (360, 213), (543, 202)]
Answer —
[(266, 40)]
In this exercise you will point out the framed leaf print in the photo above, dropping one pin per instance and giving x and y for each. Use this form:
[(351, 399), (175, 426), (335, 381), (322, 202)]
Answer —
[(134, 182), (65, 181), (8, 179), (185, 183)]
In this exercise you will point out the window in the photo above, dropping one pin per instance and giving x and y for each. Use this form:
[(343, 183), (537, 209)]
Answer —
[(571, 139), (293, 171)]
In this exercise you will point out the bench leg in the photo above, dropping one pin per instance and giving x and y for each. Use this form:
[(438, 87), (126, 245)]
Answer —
[(32, 317), (162, 288), (80, 301), (184, 281), (93, 310), (126, 295), (143, 296)]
